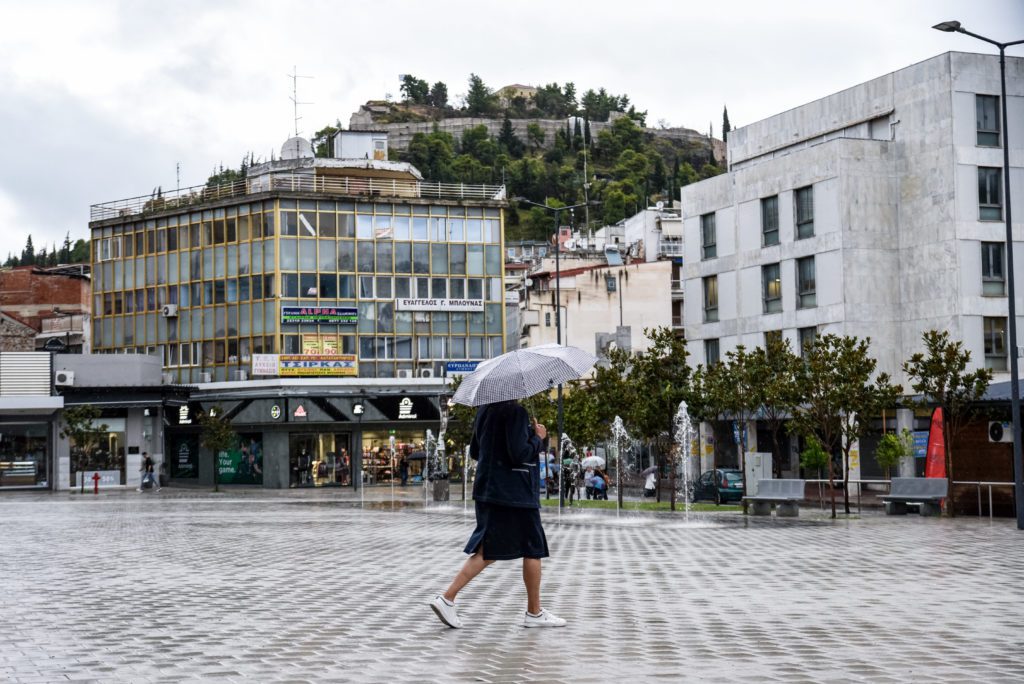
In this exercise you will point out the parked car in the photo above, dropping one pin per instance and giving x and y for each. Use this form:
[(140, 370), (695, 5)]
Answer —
[(719, 485)]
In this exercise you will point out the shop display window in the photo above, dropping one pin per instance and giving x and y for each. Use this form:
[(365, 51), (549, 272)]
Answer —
[(23, 450)]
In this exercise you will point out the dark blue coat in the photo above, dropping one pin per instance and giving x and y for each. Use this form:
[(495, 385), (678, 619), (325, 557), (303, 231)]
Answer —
[(506, 447)]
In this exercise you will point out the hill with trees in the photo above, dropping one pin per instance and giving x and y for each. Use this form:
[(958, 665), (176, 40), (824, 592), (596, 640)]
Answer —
[(67, 253), (624, 167)]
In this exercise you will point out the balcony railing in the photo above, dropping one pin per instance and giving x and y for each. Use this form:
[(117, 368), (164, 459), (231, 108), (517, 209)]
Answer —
[(329, 185)]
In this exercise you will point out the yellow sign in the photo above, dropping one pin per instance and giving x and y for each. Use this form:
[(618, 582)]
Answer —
[(318, 365), (313, 345)]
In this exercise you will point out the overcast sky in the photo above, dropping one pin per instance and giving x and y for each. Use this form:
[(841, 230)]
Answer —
[(100, 99)]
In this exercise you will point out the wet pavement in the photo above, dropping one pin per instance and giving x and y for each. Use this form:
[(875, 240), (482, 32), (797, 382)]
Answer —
[(266, 586)]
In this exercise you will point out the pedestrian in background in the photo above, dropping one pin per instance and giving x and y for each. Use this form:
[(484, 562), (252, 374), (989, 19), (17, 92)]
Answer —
[(505, 444), (147, 468)]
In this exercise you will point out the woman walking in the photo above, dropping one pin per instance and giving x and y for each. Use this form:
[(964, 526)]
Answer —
[(506, 443)]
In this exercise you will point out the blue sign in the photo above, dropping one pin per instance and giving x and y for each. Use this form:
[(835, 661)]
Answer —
[(461, 367), (920, 443)]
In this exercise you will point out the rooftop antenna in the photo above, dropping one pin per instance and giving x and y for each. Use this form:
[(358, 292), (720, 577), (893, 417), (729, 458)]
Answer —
[(295, 96), (177, 174)]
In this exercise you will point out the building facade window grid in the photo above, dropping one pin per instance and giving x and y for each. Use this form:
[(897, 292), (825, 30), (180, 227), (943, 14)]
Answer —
[(990, 192), (987, 112), (771, 288), (708, 242), (995, 343), (710, 299), (806, 287), (804, 200), (805, 339), (770, 220), (993, 271), (218, 265)]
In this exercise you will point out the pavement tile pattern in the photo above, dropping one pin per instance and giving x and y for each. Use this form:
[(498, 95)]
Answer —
[(176, 587)]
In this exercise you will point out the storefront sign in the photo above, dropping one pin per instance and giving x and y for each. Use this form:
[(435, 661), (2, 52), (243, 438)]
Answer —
[(275, 412), (512, 297), (322, 365), (242, 463), (405, 409), (300, 411), (460, 367), (184, 418), (313, 345), (402, 304), (185, 459), (327, 315), (920, 443), (264, 364)]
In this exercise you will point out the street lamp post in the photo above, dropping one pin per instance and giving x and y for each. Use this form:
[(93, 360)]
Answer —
[(558, 317), (1018, 460)]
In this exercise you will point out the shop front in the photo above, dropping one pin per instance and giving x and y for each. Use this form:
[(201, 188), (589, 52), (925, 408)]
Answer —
[(25, 449), (309, 441)]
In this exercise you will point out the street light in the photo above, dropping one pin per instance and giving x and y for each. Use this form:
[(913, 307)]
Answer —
[(1018, 461), (558, 311)]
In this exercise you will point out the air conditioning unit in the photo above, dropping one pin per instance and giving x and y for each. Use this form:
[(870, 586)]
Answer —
[(239, 375), (206, 377), (426, 372), (404, 373), (169, 311), (64, 378), (1000, 431)]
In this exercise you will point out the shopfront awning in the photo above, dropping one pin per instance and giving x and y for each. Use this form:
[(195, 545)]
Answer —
[(28, 404)]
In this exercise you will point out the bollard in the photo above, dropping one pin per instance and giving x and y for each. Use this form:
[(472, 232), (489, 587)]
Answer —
[(95, 483)]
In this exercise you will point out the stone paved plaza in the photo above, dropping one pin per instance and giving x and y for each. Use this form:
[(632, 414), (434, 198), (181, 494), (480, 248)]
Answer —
[(260, 587)]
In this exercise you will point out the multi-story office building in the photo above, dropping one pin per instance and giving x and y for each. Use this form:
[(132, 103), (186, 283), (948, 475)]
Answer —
[(319, 301), (876, 212)]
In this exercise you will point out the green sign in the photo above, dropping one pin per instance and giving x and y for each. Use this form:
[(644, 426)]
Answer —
[(327, 315), (243, 462)]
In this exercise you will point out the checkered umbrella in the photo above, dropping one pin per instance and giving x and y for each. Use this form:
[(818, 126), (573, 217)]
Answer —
[(522, 373)]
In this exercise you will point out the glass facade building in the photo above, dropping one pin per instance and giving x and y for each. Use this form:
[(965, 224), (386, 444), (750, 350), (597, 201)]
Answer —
[(205, 286)]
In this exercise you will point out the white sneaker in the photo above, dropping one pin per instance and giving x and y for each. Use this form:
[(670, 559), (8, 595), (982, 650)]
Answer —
[(544, 619), (446, 612)]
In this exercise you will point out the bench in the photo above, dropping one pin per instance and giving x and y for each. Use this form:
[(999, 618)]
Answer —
[(928, 492), (783, 494)]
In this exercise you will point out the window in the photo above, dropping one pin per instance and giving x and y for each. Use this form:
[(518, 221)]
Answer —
[(990, 204), (804, 198), (710, 352), (708, 246), (771, 288), (993, 273), (995, 343), (805, 286), (987, 110), (710, 299), (547, 319), (806, 338), (770, 220), (772, 337)]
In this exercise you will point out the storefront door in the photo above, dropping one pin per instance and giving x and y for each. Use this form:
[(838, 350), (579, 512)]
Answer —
[(320, 459)]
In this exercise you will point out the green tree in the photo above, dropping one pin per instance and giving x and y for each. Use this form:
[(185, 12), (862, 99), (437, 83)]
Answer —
[(814, 458), (508, 141), (65, 249), (940, 376), (221, 176), (777, 373), (80, 425), (217, 435), (432, 153), (478, 143), (893, 448), (438, 95), (534, 136), (323, 140), (839, 398), (414, 90), (480, 100), (80, 252), (28, 255), (725, 124)]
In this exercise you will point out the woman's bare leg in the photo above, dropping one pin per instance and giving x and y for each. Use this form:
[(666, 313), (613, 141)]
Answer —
[(473, 566), (531, 578)]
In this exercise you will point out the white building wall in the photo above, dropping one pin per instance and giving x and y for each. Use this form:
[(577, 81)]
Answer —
[(893, 163)]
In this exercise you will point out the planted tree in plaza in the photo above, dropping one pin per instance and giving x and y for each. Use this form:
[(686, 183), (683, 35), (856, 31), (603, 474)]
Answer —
[(939, 374), (839, 397), (660, 377), (814, 457), (892, 448), (776, 371), (217, 435), (79, 425)]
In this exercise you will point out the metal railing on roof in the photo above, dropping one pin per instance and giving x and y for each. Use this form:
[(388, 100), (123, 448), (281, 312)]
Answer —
[(330, 185)]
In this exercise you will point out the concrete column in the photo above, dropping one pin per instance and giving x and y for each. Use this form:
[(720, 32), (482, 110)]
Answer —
[(905, 420), (275, 460)]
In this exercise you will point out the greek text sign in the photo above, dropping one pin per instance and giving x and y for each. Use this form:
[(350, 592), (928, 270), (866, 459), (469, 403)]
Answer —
[(297, 365), (320, 314), (409, 304)]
